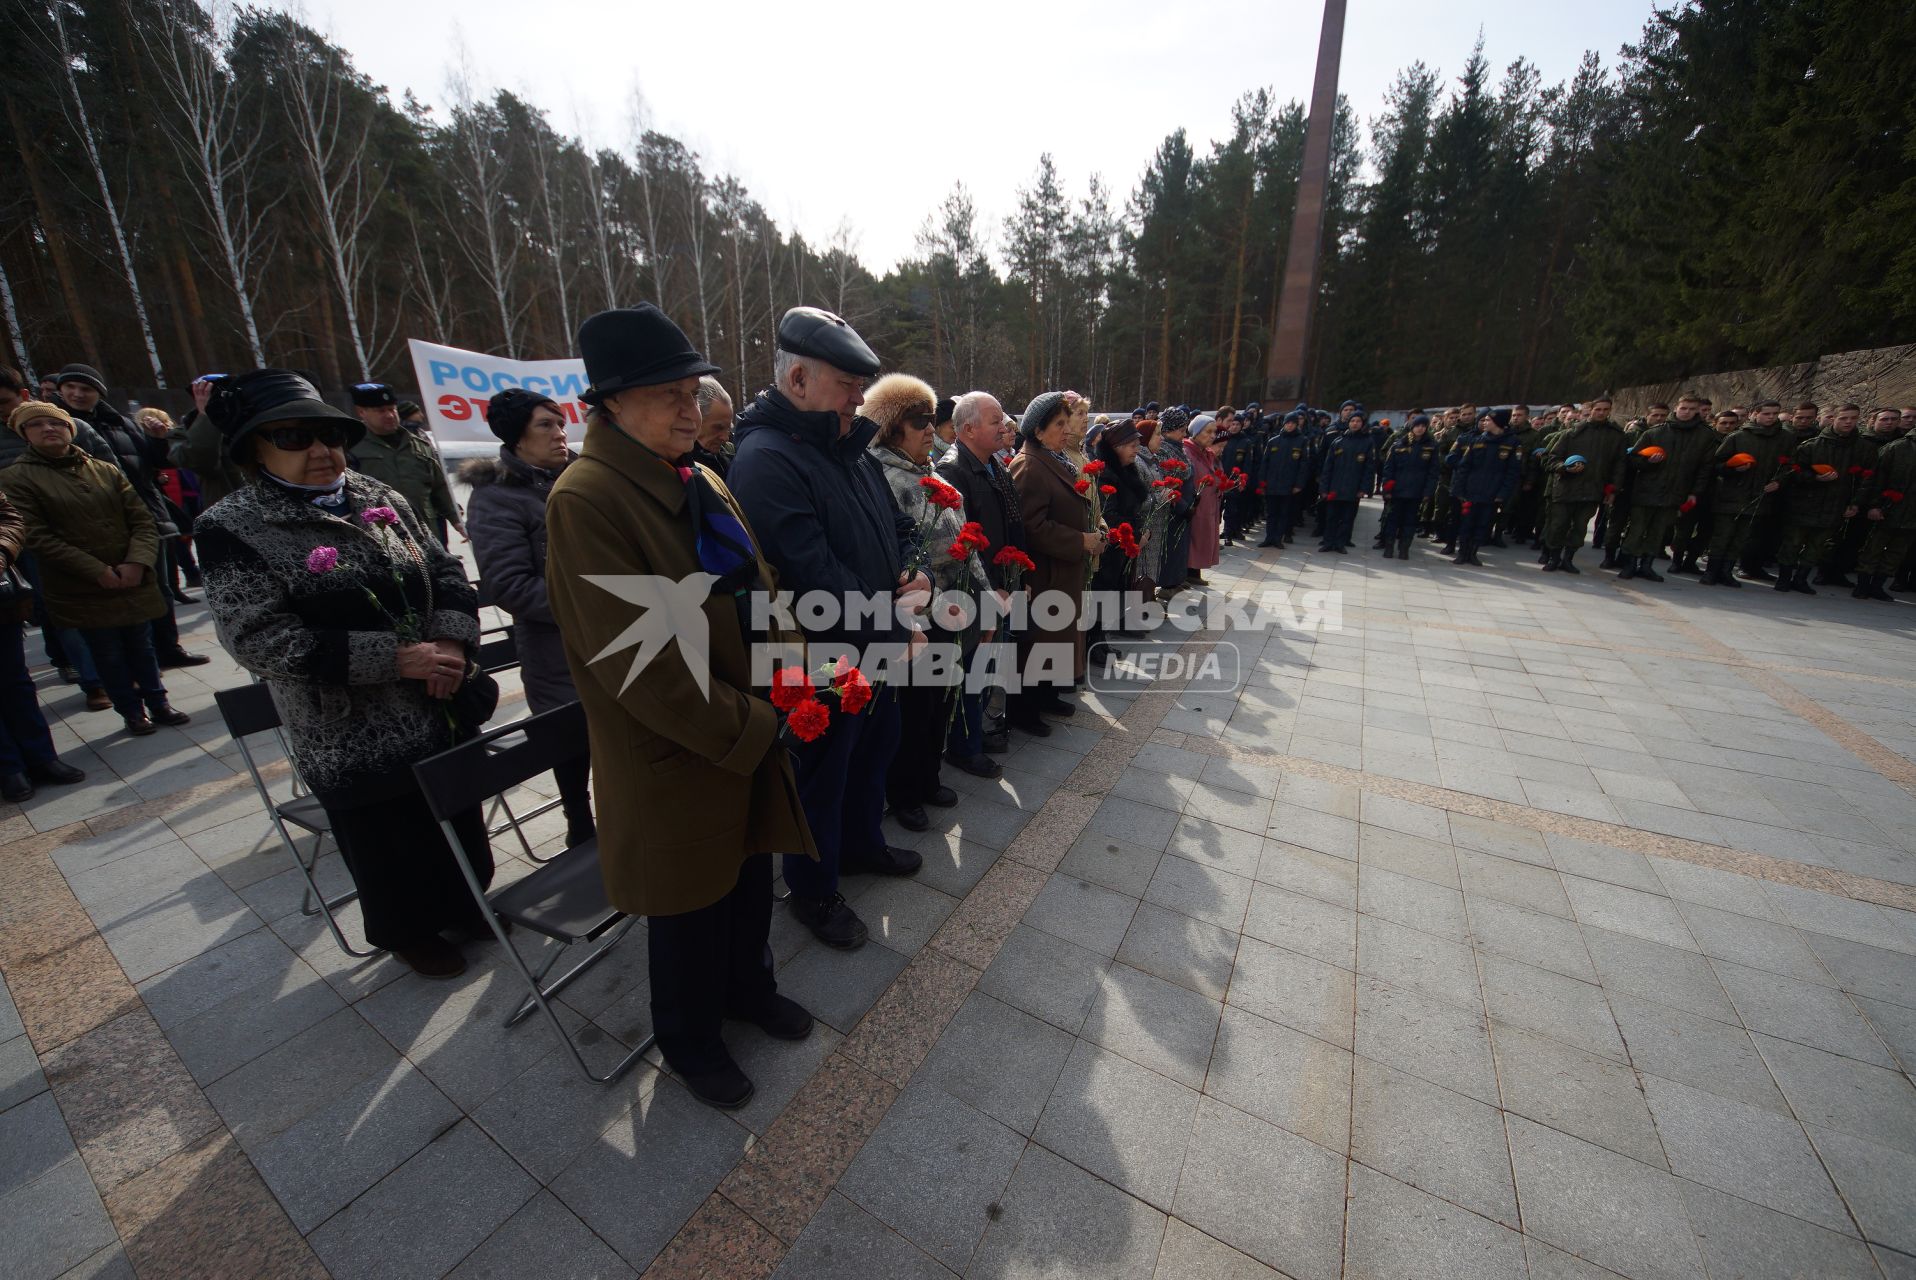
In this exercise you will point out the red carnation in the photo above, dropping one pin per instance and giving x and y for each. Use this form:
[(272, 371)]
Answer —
[(1389, 485), (1466, 508), (790, 687), (1608, 490), (854, 690), (1082, 486), (1013, 556), (1894, 495), (808, 720), (958, 550), (940, 494), (1092, 468), (1331, 496), (1689, 505), (1107, 489)]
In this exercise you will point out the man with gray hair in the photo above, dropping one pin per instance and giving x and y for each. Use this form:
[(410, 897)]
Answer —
[(713, 447), (992, 502), (825, 520)]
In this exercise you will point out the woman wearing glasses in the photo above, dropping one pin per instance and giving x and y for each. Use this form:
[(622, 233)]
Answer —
[(336, 596)]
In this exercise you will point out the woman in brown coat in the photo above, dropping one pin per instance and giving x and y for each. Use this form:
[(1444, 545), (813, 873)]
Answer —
[(694, 791), (26, 744), (98, 547), (1059, 536)]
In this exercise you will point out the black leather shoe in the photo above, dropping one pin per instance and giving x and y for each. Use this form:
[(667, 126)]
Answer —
[(976, 766), (434, 958), (782, 1019), (832, 921), (1036, 727), (1057, 707), (725, 1088), (14, 788), (911, 817), (998, 743), (181, 658), (165, 714), (943, 798), (140, 726), (889, 861), (56, 773)]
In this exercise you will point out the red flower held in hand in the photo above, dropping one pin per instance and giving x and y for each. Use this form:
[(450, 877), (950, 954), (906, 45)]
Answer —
[(940, 494), (1689, 505), (1093, 468), (1331, 496), (1174, 464), (790, 687), (1009, 556), (854, 690), (1082, 486), (1466, 508), (1894, 495), (809, 720), (1107, 489), (1389, 485)]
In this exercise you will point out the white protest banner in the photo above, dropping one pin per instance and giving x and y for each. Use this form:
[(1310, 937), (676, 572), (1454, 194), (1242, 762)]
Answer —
[(455, 386)]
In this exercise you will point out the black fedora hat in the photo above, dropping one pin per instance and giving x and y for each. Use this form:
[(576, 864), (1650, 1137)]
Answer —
[(636, 347), (241, 405)]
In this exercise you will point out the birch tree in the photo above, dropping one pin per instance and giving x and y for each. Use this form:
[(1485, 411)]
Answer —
[(482, 222)]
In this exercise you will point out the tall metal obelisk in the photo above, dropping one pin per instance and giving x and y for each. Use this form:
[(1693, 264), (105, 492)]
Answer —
[(1290, 347)]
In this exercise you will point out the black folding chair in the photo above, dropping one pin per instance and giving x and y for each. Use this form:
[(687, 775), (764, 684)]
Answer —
[(562, 899), (499, 652), (248, 710)]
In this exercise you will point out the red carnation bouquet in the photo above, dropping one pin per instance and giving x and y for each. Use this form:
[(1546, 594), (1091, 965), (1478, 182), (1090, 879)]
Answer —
[(1016, 565), (939, 497), (1126, 540), (800, 696), (970, 538)]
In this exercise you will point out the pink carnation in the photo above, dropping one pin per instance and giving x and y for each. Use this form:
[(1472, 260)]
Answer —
[(380, 515), (322, 560)]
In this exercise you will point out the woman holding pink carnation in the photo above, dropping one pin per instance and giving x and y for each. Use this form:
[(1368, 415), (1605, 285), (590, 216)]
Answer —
[(324, 585)]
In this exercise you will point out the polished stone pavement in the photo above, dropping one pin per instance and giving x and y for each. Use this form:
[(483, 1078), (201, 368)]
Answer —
[(1516, 926)]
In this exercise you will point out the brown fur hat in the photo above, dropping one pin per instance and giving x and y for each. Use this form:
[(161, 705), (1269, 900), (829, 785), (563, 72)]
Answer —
[(891, 398)]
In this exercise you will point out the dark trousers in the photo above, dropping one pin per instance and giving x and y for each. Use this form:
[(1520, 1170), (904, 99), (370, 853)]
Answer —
[(410, 887), (922, 714), (1237, 513), (1690, 536), (24, 739), (1649, 530), (574, 776), (1474, 524), (127, 665), (1565, 524), (1847, 547), (708, 963), (1277, 516), (841, 786), (1400, 518), (1340, 518)]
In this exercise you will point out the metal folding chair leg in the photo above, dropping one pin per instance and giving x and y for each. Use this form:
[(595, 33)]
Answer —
[(565, 979)]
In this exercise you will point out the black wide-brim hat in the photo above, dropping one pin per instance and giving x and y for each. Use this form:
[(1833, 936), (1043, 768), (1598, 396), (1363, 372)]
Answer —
[(636, 347), (242, 405)]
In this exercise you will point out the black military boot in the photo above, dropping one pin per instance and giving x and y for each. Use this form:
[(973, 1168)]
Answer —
[(1564, 564), (1609, 560), (1403, 547), (1800, 581), (1390, 552), (1757, 573), (1647, 569), (1785, 574), (1549, 559), (1725, 575), (1629, 566), (1684, 564), (1873, 588), (1827, 577), (1470, 554)]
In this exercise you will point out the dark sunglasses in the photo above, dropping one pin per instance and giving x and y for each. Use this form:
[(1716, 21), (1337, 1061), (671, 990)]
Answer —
[(917, 421), (300, 439)]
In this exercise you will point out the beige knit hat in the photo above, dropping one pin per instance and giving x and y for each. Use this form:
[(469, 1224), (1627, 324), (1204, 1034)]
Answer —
[(29, 410)]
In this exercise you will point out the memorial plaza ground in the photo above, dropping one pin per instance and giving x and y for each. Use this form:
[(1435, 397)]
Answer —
[(1523, 925)]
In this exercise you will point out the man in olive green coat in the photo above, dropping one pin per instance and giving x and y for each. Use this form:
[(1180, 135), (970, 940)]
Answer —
[(1667, 461), (1763, 444), (1820, 487), (1890, 510), (1585, 465), (401, 460)]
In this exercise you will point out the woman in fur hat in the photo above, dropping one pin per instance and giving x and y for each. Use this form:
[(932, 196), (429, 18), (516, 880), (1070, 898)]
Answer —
[(905, 410)]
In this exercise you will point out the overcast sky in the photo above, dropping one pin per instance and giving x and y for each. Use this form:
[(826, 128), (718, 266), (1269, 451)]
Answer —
[(871, 109)]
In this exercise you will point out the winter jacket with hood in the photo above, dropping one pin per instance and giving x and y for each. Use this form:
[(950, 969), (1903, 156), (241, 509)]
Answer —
[(82, 518), (506, 520), (1601, 443), (822, 514), (1813, 501), (1769, 446), (1686, 455), (1892, 488)]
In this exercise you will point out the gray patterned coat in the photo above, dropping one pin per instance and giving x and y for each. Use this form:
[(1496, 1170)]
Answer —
[(318, 640)]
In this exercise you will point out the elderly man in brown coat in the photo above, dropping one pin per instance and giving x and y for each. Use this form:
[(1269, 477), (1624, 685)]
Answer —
[(694, 791)]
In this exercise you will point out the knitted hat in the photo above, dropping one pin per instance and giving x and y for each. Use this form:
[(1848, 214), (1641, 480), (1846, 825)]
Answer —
[(1173, 420), (1043, 408), (28, 410), (81, 373), (510, 412)]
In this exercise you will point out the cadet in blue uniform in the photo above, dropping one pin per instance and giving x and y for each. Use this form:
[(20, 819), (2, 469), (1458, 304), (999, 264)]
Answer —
[(1343, 475), (1287, 470), (1410, 477), (1486, 468)]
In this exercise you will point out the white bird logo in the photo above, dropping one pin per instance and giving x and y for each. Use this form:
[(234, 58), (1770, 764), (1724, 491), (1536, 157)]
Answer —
[(674, 609)]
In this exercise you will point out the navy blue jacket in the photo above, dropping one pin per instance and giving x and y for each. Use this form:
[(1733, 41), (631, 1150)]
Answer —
[(1348, 465), (1485, 468), (822, 513), (1410, 469), (1288, 463)]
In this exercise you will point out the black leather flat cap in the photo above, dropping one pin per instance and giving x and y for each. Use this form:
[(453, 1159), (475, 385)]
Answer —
[(809, 331)]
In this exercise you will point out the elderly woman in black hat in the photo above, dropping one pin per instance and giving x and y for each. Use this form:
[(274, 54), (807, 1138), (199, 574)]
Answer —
[(506, 521), (700, 793), (336, 596), (1060, 535)]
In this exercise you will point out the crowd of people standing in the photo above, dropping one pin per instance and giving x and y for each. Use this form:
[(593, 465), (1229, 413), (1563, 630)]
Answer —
[(320, 536)]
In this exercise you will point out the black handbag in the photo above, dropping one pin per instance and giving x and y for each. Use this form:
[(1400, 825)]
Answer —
[(474, 701), (16, 596)]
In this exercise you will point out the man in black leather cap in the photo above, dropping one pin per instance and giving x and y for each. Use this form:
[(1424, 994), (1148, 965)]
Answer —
[(825, 520)]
